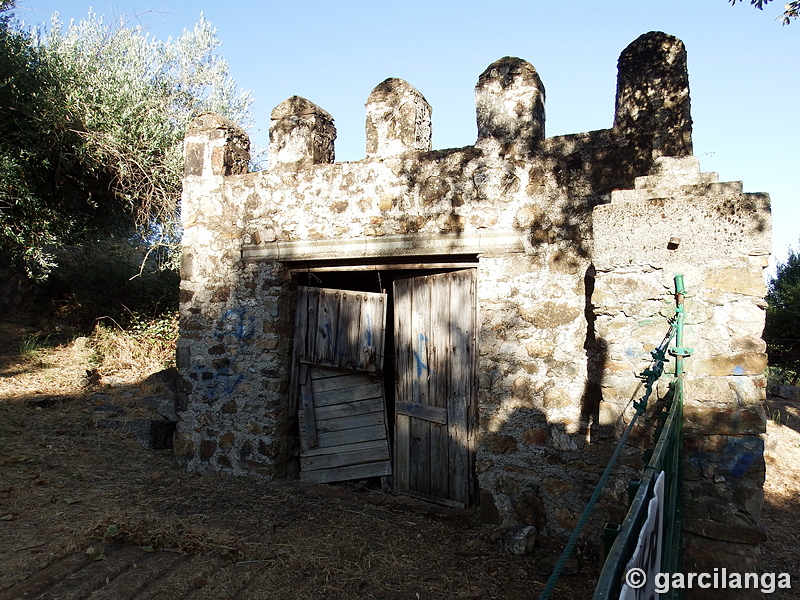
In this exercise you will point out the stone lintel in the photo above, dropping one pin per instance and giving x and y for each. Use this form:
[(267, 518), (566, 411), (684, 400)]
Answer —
[(388, 246)]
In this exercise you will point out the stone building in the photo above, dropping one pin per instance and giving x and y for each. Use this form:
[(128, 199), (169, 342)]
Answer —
[(469, 323)]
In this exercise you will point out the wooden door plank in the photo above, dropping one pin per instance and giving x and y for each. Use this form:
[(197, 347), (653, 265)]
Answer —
[(441, 356), (318, 372), (371, 328), (298, 349), (325, 348), (344, 459), (351, 436), (308, 427), (311, 316), (402, 452), (339, 383), (348, 345), (420, 337), (463, 336), (358, 392), (420, 428), (403, 394), (376, 469), (378, 443), (349, 409), (422, 411), (350, 422)]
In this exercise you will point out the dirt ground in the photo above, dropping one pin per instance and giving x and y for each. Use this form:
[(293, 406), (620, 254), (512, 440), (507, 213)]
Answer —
[(85, 511)]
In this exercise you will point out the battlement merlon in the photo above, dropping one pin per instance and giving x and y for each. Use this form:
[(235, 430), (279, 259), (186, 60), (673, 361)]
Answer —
[(215, 147)]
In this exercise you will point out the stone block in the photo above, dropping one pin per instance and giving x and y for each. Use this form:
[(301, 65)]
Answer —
[(520, 540), (748, 343), (724, 390), (555, 398), (301, 133), (215, 146), (500, 444), (163, 405), (704, 555), (725, 420), (737, 280), (548, 314), (610, 412), (746, 363), (207, 449), (538, 436), (183, 446), (653, 95)]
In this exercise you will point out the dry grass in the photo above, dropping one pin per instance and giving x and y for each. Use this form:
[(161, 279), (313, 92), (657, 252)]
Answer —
[(66, 486), (146, 347)]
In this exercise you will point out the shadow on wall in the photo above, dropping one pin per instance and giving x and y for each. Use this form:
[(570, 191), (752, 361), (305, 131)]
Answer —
[(596, 355)]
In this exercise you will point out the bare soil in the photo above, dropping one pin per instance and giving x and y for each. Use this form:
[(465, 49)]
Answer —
[(85, 511)]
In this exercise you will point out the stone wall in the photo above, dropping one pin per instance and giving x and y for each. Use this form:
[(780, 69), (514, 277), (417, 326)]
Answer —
[(573, 279), (679, 220)]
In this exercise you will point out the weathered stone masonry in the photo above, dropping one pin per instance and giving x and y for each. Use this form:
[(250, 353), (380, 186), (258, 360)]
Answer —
[(574, 240)]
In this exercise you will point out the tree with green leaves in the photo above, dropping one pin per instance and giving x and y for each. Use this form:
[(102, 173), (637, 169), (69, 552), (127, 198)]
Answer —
[(92, 120), (790, 9), (782, 331)]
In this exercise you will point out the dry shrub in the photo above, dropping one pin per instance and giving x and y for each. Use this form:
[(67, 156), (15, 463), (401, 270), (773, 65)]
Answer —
[(176, 535), (146, 346)]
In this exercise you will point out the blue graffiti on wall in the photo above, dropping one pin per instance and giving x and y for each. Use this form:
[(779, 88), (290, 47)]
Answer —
[(236, 321)]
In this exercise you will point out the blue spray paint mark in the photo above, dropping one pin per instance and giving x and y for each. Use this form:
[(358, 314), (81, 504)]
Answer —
[(736, 459), (242, 325), (369, 331), (331, 342), (233, 383), (423, 339), (738, 370), (740, 455)]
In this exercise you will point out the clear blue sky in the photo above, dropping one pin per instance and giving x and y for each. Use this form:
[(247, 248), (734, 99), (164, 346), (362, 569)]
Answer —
[(742, 69)]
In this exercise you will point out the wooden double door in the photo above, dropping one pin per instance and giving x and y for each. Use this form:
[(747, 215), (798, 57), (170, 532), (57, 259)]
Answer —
[(341, 392)]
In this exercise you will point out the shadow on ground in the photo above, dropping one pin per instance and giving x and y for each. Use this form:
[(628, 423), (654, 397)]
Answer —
[(86, 508)]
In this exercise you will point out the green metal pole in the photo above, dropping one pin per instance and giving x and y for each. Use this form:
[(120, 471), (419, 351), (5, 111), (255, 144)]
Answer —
[(679, 293)]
